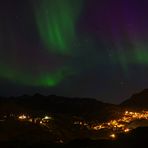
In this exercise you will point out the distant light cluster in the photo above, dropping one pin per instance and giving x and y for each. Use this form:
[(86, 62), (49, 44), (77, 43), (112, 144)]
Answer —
[(121, 124), (38, 120), (115, 126)]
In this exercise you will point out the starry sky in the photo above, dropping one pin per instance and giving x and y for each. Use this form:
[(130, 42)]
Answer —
[(75, 48)]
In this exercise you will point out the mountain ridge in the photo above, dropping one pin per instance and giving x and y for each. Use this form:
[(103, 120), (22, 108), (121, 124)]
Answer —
[(137, 101)]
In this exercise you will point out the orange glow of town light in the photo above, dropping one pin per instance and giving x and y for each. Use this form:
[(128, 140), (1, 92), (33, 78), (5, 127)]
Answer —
[(47, 118), (126, 130), (22, 117), (113, 136)]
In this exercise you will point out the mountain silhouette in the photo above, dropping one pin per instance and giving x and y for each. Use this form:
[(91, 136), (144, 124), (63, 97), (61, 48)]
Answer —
[(137, 101), (87, 108)]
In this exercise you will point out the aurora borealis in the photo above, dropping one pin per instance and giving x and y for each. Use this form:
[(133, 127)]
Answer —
[(56, 22), (81, 48)]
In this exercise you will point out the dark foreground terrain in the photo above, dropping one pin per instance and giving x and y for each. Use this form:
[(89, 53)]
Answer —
[(58, 122), (137, 138)]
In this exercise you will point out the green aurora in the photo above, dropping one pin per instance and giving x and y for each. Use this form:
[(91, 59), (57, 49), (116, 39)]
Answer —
[(48, 79), (56, 22)]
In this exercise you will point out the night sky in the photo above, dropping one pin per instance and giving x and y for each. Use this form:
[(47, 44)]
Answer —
[(76, 48)]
